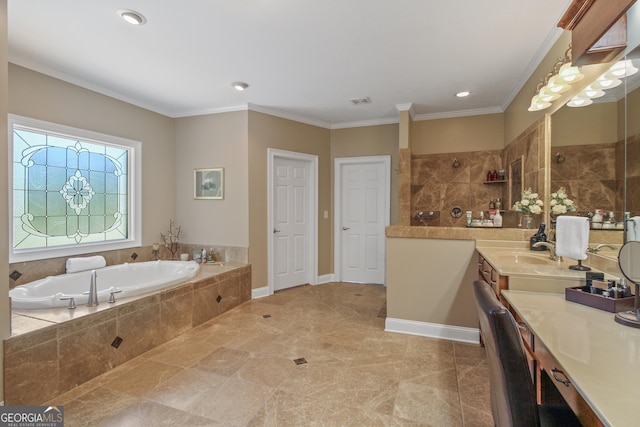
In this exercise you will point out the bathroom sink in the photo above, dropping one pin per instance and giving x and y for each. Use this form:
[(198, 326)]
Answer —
[(526, 258)]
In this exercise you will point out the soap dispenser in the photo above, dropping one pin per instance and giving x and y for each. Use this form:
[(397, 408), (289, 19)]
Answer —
[(540, 236)]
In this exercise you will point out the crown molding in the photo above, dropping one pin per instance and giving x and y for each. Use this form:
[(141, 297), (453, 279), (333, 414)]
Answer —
[(289, 116), (461, 113), (363, 123)]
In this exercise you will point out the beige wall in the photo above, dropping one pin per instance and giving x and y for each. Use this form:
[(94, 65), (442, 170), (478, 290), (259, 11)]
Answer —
[(213, 141), (265, 132), (5, 312), (368, 141), (460, 134), (594, 124), (37, 96), (429, 280)]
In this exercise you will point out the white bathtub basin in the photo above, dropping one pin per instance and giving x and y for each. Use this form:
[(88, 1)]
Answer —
[(131, 279)]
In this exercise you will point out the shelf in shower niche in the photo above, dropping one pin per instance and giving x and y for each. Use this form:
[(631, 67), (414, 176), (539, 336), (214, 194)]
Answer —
[(498, 181)]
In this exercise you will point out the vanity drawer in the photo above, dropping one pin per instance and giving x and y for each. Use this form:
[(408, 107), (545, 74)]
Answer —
[(562, 382)]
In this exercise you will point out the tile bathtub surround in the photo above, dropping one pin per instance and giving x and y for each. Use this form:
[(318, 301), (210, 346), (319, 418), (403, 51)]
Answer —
[(239, 369), (61, 349), (34, 270)]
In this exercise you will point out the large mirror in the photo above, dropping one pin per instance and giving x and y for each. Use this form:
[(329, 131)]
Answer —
[(595, 156)]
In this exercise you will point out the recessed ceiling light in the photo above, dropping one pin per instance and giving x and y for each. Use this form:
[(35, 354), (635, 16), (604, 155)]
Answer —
[(132, 17), (239, 86), (463, 94)]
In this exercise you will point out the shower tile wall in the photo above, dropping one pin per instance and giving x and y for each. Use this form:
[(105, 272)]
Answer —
[(589, 175), (437, 186)]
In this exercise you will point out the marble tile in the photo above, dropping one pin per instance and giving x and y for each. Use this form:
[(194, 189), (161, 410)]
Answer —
[(286, 409), (134, 329), (25, 371), (417, 402), (235, 404), (85, 354), (151, 413), (143, 378), (223, 361), (238, 369), (186, 388)]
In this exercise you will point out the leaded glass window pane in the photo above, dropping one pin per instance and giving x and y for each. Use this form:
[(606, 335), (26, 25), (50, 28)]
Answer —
[(68, 191)]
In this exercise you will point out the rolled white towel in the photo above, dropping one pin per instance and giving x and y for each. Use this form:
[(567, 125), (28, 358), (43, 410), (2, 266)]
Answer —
[(572, 237), (86, 263)]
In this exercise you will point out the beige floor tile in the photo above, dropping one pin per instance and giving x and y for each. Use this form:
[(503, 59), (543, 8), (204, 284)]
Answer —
[(186, 388), (223, 361), (340, 415), (145, 413), (238, 369), (267, 370), (286, 409), (428, 404), (143, 378), (235, 404)]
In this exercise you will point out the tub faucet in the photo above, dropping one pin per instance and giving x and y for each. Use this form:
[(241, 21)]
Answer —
[(93, 290), (552, 250)]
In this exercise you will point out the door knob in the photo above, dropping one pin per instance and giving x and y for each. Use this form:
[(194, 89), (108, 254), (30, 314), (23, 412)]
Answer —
[(346, 228), (275, 230)]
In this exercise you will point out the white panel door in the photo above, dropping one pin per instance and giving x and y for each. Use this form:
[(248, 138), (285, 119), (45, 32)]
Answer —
[(362, 222), (290, 223)]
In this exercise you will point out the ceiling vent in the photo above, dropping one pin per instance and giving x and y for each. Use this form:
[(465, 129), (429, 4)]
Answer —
[(357, 101)]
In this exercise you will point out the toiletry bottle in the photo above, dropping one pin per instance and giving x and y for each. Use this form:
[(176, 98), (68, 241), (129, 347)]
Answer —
[(538, 237), (489, 176), (494, 175), (498, 204), (497, 219), (502, 175), (596, 220), (492, 209), (203, 256), (612, 220)]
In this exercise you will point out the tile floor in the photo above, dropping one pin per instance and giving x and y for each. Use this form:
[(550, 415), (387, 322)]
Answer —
[(240, 369)]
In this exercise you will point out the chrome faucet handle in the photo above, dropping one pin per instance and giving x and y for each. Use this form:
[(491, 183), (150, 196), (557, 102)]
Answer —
[(112, 296), (72, 302)]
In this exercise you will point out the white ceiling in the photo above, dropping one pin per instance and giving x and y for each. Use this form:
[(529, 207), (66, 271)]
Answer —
[(302, 59)]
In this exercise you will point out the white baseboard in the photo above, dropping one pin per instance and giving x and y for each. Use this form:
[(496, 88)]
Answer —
[(325, 278), (260, 292), (433, 330)]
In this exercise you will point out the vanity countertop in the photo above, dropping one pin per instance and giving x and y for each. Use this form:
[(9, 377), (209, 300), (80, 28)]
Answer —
[(516, 259), (600, 356)]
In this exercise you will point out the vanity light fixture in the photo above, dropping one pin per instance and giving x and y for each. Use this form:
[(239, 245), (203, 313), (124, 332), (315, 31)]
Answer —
[(621, 69), (579, 101), (603, 83), (591, 92), (240, 86), (556, 82), (132, 17), (463, 94)]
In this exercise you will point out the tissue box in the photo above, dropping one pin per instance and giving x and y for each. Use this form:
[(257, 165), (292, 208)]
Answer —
[(612, 305)]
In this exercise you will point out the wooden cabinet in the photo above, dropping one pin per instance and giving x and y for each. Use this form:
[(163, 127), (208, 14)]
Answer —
[(490, 275)]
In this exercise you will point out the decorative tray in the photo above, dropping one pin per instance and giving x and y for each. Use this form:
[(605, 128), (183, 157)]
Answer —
[(612, 305)]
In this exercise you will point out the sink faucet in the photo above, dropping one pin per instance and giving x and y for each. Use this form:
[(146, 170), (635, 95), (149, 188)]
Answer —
[(552, 250), (595, 249), (93, 290)]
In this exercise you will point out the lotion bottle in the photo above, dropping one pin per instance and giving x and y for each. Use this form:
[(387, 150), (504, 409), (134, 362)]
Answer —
[(497, 219)]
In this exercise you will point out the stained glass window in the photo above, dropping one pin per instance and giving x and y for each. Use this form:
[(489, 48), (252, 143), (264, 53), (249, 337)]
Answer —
[(68, 191)]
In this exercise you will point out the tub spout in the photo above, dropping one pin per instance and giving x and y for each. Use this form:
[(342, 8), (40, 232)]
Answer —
[(93, 290)]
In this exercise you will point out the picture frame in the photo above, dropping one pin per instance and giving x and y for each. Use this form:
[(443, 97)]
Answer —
[(208, 184)]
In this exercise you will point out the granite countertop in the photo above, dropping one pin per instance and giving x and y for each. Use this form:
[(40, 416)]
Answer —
[(516, 259), (600, 356)]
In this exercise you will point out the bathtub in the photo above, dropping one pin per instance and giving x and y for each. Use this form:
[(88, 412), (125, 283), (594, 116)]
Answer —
[(130, 279)]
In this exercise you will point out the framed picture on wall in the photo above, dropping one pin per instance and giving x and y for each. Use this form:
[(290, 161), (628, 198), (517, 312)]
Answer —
[(208, 183)]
